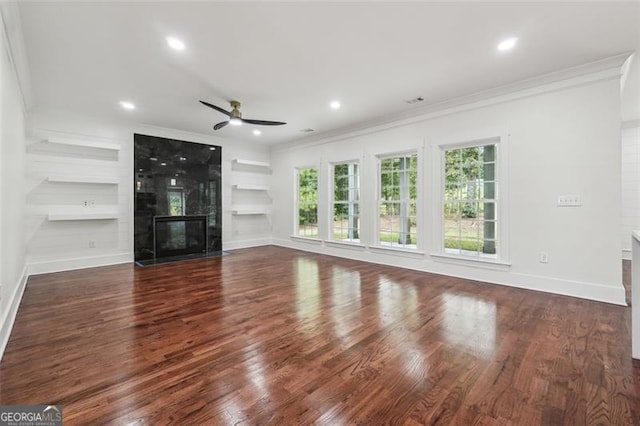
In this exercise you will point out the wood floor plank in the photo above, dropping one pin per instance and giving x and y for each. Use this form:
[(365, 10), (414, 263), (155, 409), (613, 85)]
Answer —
[(277, 336)]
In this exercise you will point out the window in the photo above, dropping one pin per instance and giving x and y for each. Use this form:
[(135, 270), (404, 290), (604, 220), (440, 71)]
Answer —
[(470, 201), (307, 203), (397, 225), (176, 202), (346, 208)]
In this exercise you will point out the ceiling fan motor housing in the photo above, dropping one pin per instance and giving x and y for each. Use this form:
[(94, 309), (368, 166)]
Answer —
[(235, 109)]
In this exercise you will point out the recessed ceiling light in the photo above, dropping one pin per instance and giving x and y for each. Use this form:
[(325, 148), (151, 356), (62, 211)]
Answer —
[(212, 148), (183, 158), (335, 105), (163, 164), (257, 132), (175, 43), (507, 44), (127, 105)]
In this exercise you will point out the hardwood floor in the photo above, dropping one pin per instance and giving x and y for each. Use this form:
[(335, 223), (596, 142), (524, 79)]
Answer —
[(626, 280), (277, 336)]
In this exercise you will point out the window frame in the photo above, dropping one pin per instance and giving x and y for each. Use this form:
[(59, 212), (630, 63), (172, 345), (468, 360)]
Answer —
[(378, 188), (331, 237), (500, 140), (296, 202)]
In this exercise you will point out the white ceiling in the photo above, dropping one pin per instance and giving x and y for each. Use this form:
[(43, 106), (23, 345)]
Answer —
[(287, 61)]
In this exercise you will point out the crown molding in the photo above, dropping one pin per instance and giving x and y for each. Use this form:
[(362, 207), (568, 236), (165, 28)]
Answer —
[(11, 24), (604, 69), (131, 126)]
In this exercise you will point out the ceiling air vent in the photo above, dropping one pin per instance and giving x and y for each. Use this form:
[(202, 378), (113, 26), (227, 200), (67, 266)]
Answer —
[(415, 100)]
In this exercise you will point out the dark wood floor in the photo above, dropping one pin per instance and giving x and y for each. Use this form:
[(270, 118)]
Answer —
[(626, 280), (277, 336)]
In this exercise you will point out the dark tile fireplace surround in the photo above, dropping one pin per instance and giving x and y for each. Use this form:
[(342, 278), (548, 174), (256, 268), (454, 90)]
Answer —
[(178, 200)]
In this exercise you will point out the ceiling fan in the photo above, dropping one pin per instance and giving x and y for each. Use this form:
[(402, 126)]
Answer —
[(235, 117)]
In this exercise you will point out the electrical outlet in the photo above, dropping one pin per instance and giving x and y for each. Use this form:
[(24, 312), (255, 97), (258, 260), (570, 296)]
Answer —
[(92, 244), (543, 257), (569, 201), (84, 203)]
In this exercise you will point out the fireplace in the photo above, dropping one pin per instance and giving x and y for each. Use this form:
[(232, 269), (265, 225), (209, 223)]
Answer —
[(176, 185), (179, 235)]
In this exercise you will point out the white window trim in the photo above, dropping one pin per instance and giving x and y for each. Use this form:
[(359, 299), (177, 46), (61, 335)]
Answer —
[(353, 245), (492, 264), (399, 251), (376, 228), (501, 140), (331, 197), (306, 239), (296, 191)]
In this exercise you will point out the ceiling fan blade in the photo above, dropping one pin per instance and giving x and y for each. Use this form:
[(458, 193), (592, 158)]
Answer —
[(220, 125), (217, 108), (263, 122)]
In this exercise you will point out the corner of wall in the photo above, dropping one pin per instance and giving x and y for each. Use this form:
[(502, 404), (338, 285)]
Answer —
[(14, 85), (9, 316)]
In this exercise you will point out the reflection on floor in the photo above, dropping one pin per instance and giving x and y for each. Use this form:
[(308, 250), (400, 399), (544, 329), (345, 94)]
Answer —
[(182, 258), (278, 336)]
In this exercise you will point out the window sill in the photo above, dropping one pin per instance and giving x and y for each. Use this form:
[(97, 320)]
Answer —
[(306, 239), (495, 265), (344, 244), (398, 251)]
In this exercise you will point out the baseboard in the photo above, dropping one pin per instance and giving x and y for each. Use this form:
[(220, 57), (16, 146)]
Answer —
[(9, 316), (234, 245), (38, 267), (583, 290), (48, 266), (626, 254)]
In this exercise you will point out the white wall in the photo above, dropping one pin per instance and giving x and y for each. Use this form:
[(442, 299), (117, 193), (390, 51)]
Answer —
[(630, 186), (53, 246), (630, 89), (630, 94), (562, 140), (12, 225)]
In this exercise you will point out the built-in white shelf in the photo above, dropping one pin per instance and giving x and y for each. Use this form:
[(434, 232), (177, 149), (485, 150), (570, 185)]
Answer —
[(83, 143), (82, 215), (251, 187), (252, 163), (107, 180), (249, 212)]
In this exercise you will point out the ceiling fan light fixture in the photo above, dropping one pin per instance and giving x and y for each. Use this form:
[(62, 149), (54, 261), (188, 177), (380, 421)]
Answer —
[(235, 117)]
